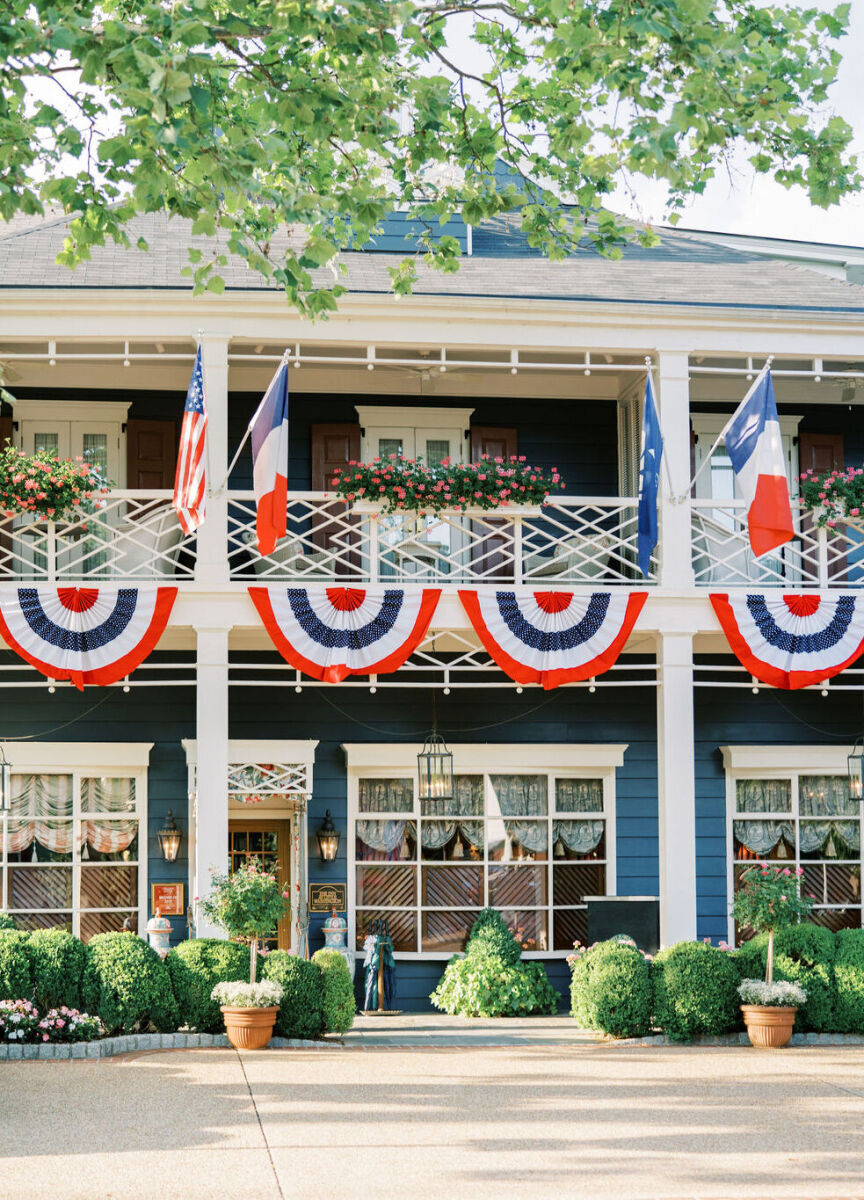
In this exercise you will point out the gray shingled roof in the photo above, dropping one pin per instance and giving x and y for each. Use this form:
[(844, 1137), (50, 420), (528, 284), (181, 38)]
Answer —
[(683, 270)]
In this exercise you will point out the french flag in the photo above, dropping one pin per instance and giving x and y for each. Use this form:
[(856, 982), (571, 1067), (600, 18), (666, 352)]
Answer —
[(269, 431), (755, 447)]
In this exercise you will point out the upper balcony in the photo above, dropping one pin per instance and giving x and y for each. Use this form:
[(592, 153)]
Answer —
[(572, 542)]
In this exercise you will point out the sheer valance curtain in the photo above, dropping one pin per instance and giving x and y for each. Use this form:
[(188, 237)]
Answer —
[(823, 803), (41, 810)]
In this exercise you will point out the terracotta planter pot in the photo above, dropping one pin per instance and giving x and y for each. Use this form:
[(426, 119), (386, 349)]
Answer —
[(768, 1025), (249, 1028)]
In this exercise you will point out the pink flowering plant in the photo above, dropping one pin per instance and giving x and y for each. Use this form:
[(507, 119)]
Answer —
[(47, 486), (248, 903), (834, 497), (68, 1025), (407, 484), (770, 898), (18, 1021)]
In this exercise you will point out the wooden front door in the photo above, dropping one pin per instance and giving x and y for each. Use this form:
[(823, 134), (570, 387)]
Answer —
[(270, 842), (489, 553), (151, 457)]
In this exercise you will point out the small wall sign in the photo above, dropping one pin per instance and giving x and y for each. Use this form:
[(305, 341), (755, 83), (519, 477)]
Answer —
[(169, 898), (324, 896)]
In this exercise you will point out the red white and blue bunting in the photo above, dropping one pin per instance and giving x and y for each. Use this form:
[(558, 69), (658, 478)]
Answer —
[(85, 635), (552, 638), (792, 641), (330, 632)]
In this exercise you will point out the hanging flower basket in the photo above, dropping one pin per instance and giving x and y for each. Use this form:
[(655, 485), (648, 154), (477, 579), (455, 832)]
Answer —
[(398, 484), (834, 497), (45, 486)]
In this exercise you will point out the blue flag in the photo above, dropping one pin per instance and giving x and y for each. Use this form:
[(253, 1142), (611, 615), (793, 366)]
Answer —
[(649, 478)]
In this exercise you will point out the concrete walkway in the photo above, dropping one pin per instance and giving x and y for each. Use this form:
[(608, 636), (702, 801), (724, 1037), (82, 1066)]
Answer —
[(462, 1120)]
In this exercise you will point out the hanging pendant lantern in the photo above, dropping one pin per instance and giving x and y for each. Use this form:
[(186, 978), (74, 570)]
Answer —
[(435, 769), (5, 783), (855, 767)]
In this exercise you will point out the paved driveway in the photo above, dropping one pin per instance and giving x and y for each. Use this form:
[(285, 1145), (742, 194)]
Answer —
[(472, 1121)]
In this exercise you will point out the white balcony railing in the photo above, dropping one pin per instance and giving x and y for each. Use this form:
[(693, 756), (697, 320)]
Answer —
[(824, 558), (134, 535), (572, 541)]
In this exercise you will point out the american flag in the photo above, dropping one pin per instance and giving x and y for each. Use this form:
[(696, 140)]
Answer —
[(191, 478)]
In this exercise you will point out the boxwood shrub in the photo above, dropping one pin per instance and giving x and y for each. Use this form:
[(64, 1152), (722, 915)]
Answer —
[(490, 980), (16, 978), (57, 964), (194, 968), (803, 954), (126, 984), (490, 932), (301, 1013), (7, 921), (611, 989), (695, 991), (339, 1005), (849, 978)]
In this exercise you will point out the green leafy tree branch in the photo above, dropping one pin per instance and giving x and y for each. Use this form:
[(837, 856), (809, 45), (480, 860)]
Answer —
[(277, 126)]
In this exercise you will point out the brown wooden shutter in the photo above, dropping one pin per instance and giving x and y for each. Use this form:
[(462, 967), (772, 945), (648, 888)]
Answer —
[(334, 445), (5, 430), (822, 452), (488, 553), (151, 454)]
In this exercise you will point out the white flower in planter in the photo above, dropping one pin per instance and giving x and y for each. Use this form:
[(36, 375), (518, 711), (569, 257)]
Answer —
[(237, 994), (778, 994)]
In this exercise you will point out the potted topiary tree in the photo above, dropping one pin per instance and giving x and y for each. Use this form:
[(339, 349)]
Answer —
[(247, 903), (770, 898)]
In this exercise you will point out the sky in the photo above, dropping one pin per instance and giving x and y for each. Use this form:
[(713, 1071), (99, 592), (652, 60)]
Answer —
[(752, 204)]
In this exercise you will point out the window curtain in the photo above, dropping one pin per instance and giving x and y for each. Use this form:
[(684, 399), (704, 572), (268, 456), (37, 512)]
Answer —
[(760, 837), (109, 837), (383, 836), (580, 837), (763, 795), (37, 808), (523, 796), (108, 795), (827, 796), (579, 795), (466, 801), (387, 795)]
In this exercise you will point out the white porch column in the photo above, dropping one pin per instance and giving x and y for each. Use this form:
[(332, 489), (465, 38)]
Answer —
[(211, 716), (673, 386), (676, 788), (212, 561)]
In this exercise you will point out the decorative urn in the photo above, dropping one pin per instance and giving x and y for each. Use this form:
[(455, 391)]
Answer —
[(335, 937), (159, 933)]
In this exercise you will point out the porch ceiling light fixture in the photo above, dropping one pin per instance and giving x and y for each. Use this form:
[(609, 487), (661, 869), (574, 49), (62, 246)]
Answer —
[(5, 782), (435, 769), (328, 839), (169, 839)]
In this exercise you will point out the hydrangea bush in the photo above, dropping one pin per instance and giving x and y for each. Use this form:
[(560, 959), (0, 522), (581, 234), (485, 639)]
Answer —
[(47, 486), (18, 1020), (401, 484), (834, 496)]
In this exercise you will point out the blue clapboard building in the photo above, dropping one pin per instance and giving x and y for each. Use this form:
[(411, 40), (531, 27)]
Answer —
[(659, 777)]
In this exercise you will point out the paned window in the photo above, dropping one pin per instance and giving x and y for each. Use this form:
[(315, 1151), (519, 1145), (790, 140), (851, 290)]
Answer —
[(532, 845), (70, 851), (807, 820)]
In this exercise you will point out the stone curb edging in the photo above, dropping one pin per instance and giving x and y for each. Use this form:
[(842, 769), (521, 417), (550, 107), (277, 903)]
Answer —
[(741, 1039), (130, 1043)]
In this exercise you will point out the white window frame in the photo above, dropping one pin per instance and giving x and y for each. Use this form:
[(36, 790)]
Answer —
[(377, 421), (707, 426), (773, 762), (71, 420), (556, 761), (84, 760)]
